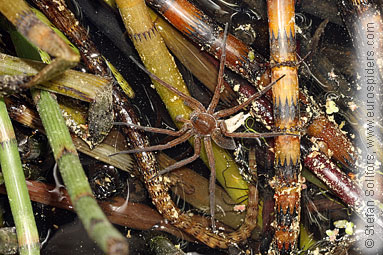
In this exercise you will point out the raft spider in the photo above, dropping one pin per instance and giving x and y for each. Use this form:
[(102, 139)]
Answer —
[(204, 125)]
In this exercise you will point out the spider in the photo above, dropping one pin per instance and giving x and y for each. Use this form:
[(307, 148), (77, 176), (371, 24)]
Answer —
[(205, 125)]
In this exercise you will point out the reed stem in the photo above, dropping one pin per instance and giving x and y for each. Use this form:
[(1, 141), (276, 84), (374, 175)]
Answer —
[(21, 207), (92, 217)]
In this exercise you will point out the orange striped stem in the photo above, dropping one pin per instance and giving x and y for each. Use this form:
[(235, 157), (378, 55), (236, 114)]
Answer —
[(287, 182)]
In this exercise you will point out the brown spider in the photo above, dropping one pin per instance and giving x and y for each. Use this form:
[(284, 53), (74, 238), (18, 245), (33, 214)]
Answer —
[(204, 124)]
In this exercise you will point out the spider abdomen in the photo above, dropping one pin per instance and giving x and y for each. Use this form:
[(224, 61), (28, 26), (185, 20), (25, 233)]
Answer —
[(203, 123)]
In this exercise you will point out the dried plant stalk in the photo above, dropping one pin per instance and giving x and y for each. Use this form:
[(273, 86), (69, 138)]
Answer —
[(287, 181), (66, 84)]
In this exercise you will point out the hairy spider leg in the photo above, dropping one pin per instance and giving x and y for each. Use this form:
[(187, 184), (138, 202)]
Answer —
[(207, 139), (154, 130), (183, 138), (227, 112), (210, 157), (252, 135), (219, 87), (192, 102), (184, 162)]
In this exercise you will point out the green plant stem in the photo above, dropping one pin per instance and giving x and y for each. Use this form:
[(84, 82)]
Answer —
[(92, 217), (28, 237)]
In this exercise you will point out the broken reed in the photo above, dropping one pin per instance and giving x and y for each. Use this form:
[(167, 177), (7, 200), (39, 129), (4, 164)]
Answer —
[(25, 114), (77, 85), (38, 33), (58, 15), (28, 237), (66, 84)]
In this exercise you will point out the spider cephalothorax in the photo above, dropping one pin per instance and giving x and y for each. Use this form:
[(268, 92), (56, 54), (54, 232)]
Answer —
[(203, 123)]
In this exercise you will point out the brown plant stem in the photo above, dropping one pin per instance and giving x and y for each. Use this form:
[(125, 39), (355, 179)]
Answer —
[(133, 215), (201, 29), (287, 182)]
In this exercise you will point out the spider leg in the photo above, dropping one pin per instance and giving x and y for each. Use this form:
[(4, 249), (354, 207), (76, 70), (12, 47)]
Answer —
[(252, 135), (218, 88), (188, 99), (197, 151), (159, 147), (210, 157), (230, 111), (155, 130)]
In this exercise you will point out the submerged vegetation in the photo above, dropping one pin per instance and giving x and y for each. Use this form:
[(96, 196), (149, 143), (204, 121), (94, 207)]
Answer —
[(113, 131)]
